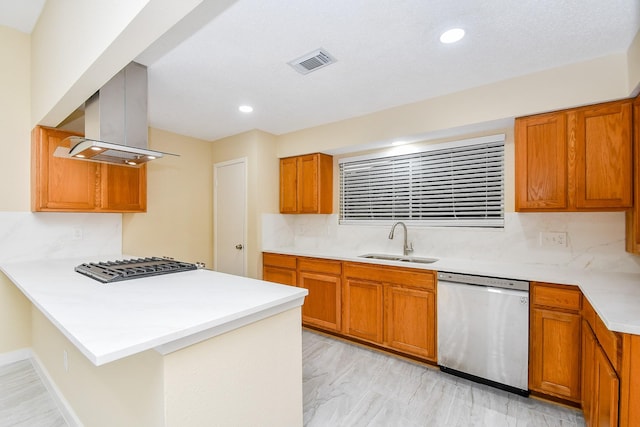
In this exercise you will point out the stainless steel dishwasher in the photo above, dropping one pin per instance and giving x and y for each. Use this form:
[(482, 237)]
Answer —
[(483, 329)]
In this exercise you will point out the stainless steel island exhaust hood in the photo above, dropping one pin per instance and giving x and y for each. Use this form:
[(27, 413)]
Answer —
[(116, 122)]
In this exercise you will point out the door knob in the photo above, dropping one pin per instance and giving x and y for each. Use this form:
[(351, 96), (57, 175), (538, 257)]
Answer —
[(239, 246)]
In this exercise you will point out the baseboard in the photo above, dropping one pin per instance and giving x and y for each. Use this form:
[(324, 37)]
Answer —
[(62, 403), (15, 356)]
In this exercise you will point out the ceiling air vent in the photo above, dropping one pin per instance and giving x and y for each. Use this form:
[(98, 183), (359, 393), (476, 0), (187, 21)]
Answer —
[(312, 61)]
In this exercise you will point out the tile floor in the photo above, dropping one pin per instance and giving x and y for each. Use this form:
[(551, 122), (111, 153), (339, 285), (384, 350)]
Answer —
[(348, 385), (24, 400), (344, 385)]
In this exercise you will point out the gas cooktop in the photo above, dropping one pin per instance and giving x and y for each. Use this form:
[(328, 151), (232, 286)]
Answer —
[(127, 269)]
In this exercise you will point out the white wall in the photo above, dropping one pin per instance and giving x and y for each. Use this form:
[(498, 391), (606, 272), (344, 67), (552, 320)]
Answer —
[(14, 119), (251, 376), (458, 114), (263, 179), (633, 61), (179, 202), (77, 46), (26, 236), (124, 393), (595, 240)]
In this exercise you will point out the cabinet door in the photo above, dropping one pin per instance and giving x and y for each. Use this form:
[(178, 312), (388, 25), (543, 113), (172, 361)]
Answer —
[(308, 184), (289, 185), (606, 391), (59, 184), (603, 156), (633, 215), (363, 309), (541, 162), (555, 353), (124, 189), (410, 321), (322, 305), (588, 369), (279, 275), (629, 415)]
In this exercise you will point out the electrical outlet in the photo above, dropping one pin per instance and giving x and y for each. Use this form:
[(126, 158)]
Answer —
[(65, 360), (76, 233), (553, 238)]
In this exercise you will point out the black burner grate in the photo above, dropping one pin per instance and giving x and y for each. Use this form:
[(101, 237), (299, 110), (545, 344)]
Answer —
[(127, 269)]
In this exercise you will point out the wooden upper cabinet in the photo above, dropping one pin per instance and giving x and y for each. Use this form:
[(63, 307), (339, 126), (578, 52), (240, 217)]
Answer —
[(306, 184), (124, 189), (603, 146), (541, 162), (633, 215), (66, 185), (289, 185), (59, 184), (578, 159)]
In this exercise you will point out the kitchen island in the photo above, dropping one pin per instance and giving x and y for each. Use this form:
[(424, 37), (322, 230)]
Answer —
[(190, 348)]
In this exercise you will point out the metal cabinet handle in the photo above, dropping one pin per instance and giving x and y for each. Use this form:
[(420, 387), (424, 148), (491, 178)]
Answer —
[(239, 246)]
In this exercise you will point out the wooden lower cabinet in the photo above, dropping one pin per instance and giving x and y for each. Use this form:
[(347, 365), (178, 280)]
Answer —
[(589, 344), (279, 269), (323, 306), (279, 275), (363, 316), (554, 360), (410, 321), (392, 307), (601, 383), (604, 407), (630, 381)]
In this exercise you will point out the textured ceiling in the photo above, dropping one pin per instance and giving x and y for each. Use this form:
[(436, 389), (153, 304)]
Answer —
[(388, 54)]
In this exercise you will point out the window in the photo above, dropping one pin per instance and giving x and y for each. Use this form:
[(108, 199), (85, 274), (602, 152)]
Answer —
[(453, 184)]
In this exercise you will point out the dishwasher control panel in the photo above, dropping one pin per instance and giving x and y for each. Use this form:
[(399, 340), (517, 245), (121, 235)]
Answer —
[(496, 282)]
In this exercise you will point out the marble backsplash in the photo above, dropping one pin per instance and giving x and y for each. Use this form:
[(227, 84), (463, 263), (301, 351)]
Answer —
[(595, 241), (26, 236)]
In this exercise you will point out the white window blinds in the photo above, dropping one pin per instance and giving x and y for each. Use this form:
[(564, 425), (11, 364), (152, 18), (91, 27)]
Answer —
[(452, 184)]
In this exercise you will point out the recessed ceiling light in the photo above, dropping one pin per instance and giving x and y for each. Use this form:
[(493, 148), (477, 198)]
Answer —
[(453, 35), (245, 108), (400, 142)]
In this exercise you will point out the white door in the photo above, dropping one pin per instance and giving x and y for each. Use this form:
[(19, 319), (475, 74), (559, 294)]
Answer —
[(229, 213)]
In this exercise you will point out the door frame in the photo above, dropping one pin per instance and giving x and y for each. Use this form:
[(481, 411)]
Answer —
[(216, 166)]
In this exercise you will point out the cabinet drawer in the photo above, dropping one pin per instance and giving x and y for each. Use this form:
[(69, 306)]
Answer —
[(320, 265), (423, 279), (556, 296), (277, 260)]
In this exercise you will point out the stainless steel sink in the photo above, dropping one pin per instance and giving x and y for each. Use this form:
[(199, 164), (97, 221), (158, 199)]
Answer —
[(402, 258)]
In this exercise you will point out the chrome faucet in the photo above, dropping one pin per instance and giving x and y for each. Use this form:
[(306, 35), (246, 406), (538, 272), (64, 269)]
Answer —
[(407, 247)]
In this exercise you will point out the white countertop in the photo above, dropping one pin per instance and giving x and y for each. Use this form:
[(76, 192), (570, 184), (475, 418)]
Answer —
[(108, 322), (614, 296)]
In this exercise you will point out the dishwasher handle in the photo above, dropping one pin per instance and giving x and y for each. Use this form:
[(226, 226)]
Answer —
[(494, 282)]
